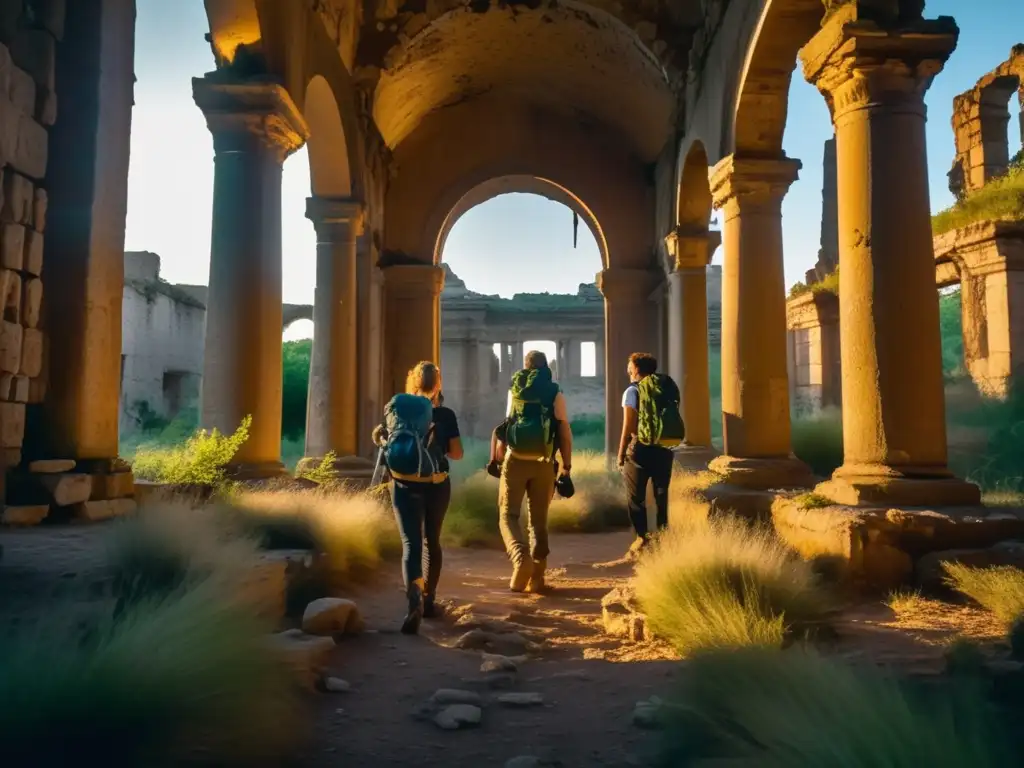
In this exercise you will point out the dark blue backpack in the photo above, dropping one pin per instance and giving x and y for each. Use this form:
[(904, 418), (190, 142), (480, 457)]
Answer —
[(408, 419)]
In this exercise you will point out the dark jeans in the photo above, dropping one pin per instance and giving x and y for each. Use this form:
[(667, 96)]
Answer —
[(420, 509), (647, 463)]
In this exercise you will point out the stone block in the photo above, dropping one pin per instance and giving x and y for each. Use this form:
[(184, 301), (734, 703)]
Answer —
[(621, 616), (930, 574), (26, 515), (35, 51), (11, 457), (37, 388), (31, 301), (40, 203), (10, 347), (12, 246), (106, 509), (32, 148), (332, 616), (50, 466), (18, 193), (10, 295), (68, 488), (306, 655), (46, 106), (7, 387), (32, 352), (117, 485), (33, 255), (12, 425), (19, 389), (48, 15), (266, 588), (22, 91)]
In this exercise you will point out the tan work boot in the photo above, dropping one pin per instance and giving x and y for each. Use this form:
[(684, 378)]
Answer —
[(638, 545), (522, 571), (536, 582)]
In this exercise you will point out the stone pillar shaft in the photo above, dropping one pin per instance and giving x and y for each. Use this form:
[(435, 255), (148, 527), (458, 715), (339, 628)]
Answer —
[(629, 326), (255, 127), (894, 408), (412, 315), (332, 414), (688, 331), (755, 384)]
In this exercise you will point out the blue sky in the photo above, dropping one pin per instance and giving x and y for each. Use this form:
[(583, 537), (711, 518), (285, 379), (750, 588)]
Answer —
[(509, 244)]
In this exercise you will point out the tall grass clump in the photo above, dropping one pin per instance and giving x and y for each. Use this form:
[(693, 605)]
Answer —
[(818, 440), (766, 708), (354, 531), (999, 589), (472, 519), (189, 678), (599, 503), (1000, 199), (201, 460), (724, 584)]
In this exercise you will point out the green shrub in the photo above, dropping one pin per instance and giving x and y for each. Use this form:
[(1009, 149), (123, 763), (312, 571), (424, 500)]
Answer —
[(999, 589), (1000, 199), (202, 460), (322, 473), (765, 708), (295, 359), (818, 440), (190, 675), (724, 584)]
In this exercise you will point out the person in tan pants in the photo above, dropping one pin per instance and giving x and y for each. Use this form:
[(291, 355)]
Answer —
[(532, 475)]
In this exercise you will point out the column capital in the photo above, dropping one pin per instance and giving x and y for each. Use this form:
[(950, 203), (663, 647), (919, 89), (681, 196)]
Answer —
[(331, 213), (752, 179), (414, 280), (244, 117), (857, 63), (627, 285), (688, 248)]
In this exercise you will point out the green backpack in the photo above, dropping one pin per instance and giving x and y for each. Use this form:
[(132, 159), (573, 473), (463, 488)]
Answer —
[(530, 427), (659, 419)]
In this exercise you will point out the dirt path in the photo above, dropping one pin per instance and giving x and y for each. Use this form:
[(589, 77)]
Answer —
[(588, 694)]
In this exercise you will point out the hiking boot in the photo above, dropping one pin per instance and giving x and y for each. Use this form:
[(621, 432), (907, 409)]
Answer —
[(639, 544), (411, 624), (536, 582), (521, 573)]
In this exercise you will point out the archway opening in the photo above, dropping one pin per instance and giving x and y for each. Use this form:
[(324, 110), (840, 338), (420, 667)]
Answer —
[(520, 276)]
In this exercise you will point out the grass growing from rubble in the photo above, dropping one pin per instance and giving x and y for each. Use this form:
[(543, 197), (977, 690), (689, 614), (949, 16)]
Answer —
[(1000, 199), (999, 589)]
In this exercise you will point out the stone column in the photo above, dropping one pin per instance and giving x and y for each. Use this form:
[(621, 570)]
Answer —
[(86, 180), (370, 320), (255, 127), (687, 361), (332, 415), (628, 327), (412, 315), (599, 357), (518, 355), (755, 386), (573, 359), (894, 427)]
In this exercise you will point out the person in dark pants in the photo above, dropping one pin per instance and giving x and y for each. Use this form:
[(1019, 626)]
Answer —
[(421, 504), (641, 464)]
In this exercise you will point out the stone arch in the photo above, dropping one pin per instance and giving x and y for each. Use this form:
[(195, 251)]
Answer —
[(693, 203), (294, 312), (329, 164), (521, 183), (758, 119)]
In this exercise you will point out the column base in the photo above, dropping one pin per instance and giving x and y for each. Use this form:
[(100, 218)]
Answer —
[(763, 474), (342, 468), (695, 458), (259, 470), (880, 485)]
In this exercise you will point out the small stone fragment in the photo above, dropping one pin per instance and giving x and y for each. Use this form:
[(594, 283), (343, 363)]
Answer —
[(521, 699), (332, 616), (647, 714), (336, 685), (445, 696), (459, 716), (496, 663)]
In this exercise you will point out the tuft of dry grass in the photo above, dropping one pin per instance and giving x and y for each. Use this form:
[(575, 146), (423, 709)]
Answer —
[(353, 530), (796, 709), (999, 589), (906, 601), (724, 584)]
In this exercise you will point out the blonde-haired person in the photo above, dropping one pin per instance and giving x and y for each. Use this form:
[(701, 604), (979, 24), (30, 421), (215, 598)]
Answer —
[(420, 506)]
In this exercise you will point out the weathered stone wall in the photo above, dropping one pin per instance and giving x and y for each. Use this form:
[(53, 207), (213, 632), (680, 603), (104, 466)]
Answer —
[(161, 343), (30, 32)]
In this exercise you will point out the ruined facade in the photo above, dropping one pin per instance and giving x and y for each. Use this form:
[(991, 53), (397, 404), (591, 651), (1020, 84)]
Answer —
[(643, 117)]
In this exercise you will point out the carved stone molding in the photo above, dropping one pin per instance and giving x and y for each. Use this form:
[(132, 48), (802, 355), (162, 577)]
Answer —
[(686, 249), (627, 285), (414, 280), (736, 181), (336, 217), (248, 117)]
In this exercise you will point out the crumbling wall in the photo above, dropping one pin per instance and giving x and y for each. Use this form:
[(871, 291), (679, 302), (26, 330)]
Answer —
[(30, 31)]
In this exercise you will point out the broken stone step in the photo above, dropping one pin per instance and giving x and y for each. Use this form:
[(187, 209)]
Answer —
[(68, 488)]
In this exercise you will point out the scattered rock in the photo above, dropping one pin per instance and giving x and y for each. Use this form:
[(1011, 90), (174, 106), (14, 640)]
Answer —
[(521, 699), (446, 696), (332, 616), (306, 654), (458, 716), (505, 643), (621, 616), (496, 663), (569, 674), (336, 685), (647, 714)]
